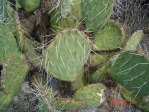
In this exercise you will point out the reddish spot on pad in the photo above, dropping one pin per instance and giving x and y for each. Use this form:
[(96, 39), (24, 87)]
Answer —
[(117, 102)]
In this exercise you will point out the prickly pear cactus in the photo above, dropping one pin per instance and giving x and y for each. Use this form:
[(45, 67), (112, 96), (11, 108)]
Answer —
[(139, 101), (67, 14), (131, 71), (48, 102), (5, 101), (100, 73), (13, 73), (30, 50), (92, 95), (14, 67), (134, 41), (45, 93), (3, 12), (8, 42), (96, 13), (68, 104), (66, 55), (18, 32), (99, 59), (65, 7), (109, 38), (29, 5), (86, 97), (79, 82)]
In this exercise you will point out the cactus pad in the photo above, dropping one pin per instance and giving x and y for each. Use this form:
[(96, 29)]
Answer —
[(134, 41), (5, 101), (99, 59), (45, 93), (3, 12), (14, 70), (100, 73), (30, 50), (109, 38), (7, 42), (95, 13), (66, 15), (131, 71), (29, 5), (68, 104), (66, 55), (139, 101), (91, 95)]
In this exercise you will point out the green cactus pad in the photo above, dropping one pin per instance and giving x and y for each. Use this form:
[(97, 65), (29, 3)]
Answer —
[(65, 7), (109, 38), (76, 9), (139, 101), (3, 12), (19, 34), (29, 5), (58, 24), (15, 70), (5, 101), (67, 15), (68, 104), (7, 42), (79, 82), (131, 71), (99, 59), (92, 95), (31, 53), (95, 13), (43, 107), (47, 101), (66, 55), (45, 93), (134, 41), (100, 73)]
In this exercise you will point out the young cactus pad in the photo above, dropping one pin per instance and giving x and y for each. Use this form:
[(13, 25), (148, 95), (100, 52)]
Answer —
[(66, 15), (7, 42), (14, 72), (66, 55), (131, 70), (14, 68), (92, 95), (68, 104), (109, 38), (134, 41), (95, 13), (5, 101), (30, 50), (29, 5)]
